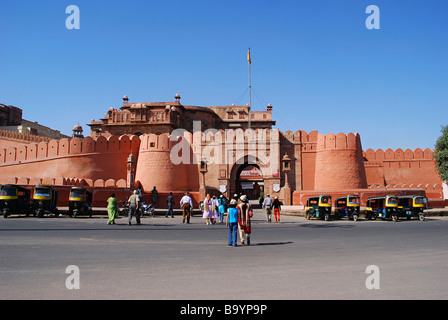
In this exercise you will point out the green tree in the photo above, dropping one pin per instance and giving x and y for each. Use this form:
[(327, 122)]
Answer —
[(441, 154)]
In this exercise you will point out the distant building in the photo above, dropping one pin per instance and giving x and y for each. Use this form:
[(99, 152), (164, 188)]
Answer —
[(11, 120), (10, 116)]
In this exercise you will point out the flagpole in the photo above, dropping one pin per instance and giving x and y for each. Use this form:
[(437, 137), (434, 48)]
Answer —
[(250, 86)]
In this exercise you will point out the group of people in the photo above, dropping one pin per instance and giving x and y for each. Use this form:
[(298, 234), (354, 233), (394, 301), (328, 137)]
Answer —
[(238, 212), (214, 208), (238, 220), (134, 201), (269, 205)]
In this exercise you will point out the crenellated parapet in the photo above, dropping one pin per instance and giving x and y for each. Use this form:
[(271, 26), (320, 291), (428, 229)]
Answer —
[(308, 141), (52, 149), (340, 141), (398, 154), (27, 138)]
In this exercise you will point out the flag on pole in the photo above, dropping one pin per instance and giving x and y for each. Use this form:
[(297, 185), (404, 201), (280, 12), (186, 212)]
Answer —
[(248, 55)]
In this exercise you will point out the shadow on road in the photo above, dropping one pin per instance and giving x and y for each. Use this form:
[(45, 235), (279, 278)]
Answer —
[(272, 243), (325, 225)]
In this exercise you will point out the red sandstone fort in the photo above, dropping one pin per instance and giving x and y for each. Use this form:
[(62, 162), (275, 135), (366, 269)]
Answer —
[(179, 148)]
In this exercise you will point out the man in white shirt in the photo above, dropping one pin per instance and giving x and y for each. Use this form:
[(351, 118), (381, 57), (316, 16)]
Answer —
[(187, 205), (267, 205)]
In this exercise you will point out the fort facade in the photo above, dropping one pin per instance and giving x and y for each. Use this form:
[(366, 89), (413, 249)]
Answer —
[(213, 149)]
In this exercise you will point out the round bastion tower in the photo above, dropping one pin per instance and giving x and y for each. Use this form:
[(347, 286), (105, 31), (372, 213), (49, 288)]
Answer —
[(339, 162), (154, 165)]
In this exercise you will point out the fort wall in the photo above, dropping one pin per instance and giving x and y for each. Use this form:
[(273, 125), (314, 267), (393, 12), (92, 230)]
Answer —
[(89, 159), (397, 167)]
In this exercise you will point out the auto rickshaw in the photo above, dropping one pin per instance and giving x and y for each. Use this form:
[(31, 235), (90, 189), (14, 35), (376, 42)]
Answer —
[(80, 202), (347, 207), (384, 207), (14, 200), (45, 199), (412, 207), (318, 207)]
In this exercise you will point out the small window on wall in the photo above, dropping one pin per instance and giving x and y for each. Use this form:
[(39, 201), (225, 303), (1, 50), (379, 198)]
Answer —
[(230, 115)]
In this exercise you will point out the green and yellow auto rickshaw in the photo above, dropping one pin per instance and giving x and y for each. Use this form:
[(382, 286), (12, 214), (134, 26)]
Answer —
[(347, 207), (45, 199), (412, 207), (383, 207), (79, 202), (318, 207), (14, 199)]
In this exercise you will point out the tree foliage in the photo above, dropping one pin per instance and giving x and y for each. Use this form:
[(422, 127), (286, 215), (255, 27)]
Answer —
[(441, 154)]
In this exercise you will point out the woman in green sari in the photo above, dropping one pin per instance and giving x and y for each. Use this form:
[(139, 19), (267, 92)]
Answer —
[(112, 208)]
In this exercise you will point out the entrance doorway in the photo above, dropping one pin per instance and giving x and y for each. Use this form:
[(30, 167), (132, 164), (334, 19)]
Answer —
[(249, 181)]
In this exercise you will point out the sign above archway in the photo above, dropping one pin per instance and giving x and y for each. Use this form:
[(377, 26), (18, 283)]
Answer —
[(251, 173)]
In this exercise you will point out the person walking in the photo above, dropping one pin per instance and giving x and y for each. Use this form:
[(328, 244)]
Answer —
[(133, 207), (170, 203), (155, 196), (112, 208), (276, 205), (221, 207), (232, 222), (215, 212), (209, 210), (267, 205), (186, 205), (244, 214)]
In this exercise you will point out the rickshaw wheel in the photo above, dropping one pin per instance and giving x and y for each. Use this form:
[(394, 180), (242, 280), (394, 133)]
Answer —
[(355, 217), (308, 216), (394, 218), (326, 217), (421, 217)]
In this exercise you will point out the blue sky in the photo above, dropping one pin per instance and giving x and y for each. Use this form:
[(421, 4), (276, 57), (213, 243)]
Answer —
[(313, 60)]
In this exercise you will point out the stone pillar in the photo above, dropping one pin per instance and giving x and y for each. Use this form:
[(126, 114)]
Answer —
[(202, 188), (130, 170), (286, 167)]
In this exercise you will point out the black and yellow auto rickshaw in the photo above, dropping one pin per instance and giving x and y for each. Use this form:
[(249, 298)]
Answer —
[(347, 207), (79, 202), (412, 207), (318, 207), (383, 207), (14, 199), (45, 199)]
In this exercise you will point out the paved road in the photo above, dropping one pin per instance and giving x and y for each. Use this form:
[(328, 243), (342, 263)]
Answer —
[(165, 259)]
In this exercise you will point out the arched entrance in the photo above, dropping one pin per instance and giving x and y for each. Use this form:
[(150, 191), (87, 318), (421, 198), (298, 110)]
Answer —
[(249, 180)]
